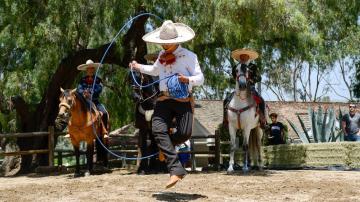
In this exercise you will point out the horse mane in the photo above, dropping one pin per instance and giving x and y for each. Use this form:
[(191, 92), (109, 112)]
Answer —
[(83, 103)]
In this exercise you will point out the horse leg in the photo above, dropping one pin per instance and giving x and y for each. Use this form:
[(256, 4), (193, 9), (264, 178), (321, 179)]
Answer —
[(255, 147), (89, 159), (246, 134), (142, 143), (259, 137), (105, 156), (101, 153), (77, 157), (232, 132)]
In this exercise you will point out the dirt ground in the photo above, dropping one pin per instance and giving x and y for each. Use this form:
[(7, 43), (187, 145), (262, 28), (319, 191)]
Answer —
[(120, 185)]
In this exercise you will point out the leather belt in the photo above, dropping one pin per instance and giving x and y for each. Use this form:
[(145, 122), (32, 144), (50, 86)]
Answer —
[(164, 95)]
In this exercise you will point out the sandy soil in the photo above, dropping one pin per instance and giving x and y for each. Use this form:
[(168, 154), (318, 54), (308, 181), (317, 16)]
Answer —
[(120, 185)]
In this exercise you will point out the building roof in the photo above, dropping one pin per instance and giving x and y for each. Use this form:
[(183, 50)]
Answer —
[(209, 113)]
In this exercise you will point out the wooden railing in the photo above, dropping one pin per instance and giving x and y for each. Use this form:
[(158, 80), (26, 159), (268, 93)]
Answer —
[(215, 152), (51, 140), (51, 147)]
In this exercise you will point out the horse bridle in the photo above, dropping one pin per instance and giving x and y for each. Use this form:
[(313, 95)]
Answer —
[(238, 75), (142, 100), (69, 102)]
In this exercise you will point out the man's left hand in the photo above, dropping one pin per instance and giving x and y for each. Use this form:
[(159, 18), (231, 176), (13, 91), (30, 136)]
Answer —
[(183, 79)]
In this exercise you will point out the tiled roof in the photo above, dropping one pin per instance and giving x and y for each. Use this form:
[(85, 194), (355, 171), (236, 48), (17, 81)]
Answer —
[(210, 112)]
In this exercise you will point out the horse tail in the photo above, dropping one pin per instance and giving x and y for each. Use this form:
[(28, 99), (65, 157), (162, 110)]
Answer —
[(255, 145)]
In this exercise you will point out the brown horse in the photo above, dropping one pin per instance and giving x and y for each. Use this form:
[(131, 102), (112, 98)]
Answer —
[(82, 125)]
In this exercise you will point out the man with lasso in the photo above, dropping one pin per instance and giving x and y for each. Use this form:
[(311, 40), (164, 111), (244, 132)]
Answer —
[(178, 70)]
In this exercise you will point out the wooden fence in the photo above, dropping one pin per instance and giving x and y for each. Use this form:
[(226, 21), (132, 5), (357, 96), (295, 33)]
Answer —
[(51, 140), (60, 153)]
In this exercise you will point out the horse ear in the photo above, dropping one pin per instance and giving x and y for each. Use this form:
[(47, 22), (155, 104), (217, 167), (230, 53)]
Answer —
[(61, 89), (73, 90)]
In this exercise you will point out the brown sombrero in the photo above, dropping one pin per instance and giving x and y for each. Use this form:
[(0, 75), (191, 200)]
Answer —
[(251, 53)]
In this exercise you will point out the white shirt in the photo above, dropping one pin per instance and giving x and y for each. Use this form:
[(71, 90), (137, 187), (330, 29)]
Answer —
[(186, 63)]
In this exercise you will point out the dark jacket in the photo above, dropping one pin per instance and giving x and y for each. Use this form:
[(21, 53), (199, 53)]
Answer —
[(86, 83)]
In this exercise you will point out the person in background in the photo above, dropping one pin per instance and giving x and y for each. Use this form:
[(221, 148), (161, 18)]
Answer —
[(276, 131), (350, 124)]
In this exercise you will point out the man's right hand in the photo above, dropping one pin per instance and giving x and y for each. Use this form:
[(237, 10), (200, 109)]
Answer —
[(134, 65), (86, 94)]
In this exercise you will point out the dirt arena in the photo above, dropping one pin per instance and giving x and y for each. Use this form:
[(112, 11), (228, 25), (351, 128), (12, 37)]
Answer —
[(120, 185)]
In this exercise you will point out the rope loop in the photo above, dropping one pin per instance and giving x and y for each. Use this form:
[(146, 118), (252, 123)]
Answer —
[(176, 88)]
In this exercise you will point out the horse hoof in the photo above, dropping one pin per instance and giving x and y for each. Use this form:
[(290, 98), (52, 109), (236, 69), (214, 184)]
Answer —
[(230, 171), (245, 170), (87, 174)]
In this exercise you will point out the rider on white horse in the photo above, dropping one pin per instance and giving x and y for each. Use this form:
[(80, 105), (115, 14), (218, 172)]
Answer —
[(245, 56)]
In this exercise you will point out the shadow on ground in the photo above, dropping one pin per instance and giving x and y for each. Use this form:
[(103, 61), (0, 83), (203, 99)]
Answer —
[(174, 196)]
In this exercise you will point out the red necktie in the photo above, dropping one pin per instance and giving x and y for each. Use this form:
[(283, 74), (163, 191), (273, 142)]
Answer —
[(168, 58)]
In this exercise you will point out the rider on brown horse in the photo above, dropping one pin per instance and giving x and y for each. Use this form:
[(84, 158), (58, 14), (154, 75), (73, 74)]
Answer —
[(85, 88), (244, 56)]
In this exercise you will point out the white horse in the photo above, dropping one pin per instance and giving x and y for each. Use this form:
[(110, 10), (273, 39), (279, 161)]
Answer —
[(242, 115)]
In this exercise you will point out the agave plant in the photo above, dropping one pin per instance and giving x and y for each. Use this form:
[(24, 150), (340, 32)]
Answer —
[(322, 126)]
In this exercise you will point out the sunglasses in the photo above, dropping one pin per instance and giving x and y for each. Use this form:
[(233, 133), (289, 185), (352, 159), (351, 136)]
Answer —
[(352, 106)]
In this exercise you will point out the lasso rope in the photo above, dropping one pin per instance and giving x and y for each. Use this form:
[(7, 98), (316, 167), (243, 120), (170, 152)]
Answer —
[(175, 87), (93, 86)]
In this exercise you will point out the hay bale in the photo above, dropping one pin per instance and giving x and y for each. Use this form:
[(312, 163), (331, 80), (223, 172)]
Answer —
[(316, 155)]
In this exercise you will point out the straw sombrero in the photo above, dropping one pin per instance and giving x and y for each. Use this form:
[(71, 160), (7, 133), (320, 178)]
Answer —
[(251, 53), (89, 63), (170, 33), (151, 57)]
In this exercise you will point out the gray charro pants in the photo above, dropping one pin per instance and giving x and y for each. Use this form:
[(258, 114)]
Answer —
[(164, 113)]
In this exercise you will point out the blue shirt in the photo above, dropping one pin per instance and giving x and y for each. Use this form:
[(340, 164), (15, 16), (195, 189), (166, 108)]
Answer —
[(86, 83)]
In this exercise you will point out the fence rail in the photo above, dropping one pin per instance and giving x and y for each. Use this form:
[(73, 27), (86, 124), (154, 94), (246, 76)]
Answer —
[(51, 134), (51, 139)]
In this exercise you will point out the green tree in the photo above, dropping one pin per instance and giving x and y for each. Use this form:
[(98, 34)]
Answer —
[(42, 42)]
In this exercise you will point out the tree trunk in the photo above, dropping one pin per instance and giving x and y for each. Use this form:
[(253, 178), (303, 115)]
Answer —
[(46, 111)]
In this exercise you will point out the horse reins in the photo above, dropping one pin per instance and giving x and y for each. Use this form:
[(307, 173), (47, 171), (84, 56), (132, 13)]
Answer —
[(142, 100)]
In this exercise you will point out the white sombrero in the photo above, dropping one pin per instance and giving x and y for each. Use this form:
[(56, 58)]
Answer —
[(170, 33), (89, 63), (251, 53)]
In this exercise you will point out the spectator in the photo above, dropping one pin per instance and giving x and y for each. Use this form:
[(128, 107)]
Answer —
[(350, 124), (277, 131)]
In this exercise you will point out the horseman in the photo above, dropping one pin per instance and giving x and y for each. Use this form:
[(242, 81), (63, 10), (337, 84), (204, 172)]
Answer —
[(184, 66), (85, 88), (244, 57)]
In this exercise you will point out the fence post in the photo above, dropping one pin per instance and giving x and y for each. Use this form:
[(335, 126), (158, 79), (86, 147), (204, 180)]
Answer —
[(217, 150), (51, 145)]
